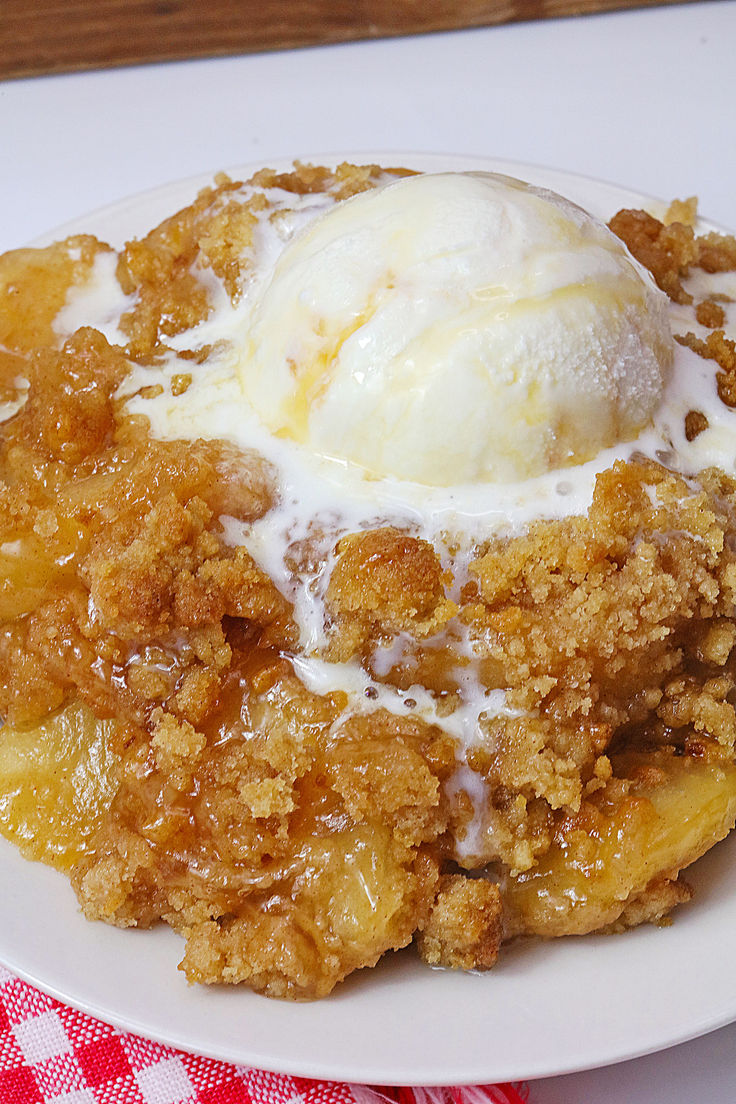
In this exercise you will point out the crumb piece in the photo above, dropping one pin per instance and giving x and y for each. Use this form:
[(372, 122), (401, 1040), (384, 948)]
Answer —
[(69, 415), (210, 647), (667, 251), (386, 580), (718, 643), (147, 682), (379, 768), (174, 740), (198, 692), (46, 524), (695, 423), (602, 773), (703, 708), (268, 798), (652, 906), (717, 252), (181, 382), (103, 890), (524, 761), (151, 392), (682, 210), (464, 927), (710, 314)]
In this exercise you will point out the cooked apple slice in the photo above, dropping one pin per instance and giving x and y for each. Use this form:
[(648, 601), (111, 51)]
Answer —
[(659, 813), (56, 779)]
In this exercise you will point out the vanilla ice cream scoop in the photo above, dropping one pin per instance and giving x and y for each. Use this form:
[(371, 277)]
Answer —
[(456, 328)]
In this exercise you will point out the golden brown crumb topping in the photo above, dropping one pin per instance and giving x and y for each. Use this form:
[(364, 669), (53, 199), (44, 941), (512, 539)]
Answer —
[(695, 423), (710, 314), (666, 250), (669, 249), (464, 929)]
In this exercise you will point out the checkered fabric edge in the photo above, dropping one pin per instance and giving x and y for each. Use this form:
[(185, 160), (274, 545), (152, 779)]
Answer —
[(51, 1054)]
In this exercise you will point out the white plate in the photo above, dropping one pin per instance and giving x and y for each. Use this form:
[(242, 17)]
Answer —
[(545, 1009)]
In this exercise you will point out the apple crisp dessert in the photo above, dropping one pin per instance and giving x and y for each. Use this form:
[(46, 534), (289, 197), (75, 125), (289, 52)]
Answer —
[(358, 587)]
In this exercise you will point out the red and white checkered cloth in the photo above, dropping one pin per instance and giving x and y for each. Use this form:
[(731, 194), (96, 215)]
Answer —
[(51, 1054)]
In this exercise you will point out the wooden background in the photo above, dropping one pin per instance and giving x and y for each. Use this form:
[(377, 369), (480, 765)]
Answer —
[(50, 36)]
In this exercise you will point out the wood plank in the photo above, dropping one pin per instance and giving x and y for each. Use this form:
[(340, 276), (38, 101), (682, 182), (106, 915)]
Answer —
[(51, 36)]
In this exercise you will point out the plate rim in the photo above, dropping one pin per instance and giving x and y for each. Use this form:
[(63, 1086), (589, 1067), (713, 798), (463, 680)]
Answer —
[(331, 1069)]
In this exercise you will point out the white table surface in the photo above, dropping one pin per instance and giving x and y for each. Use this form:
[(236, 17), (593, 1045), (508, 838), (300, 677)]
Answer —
[(646, 99)]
